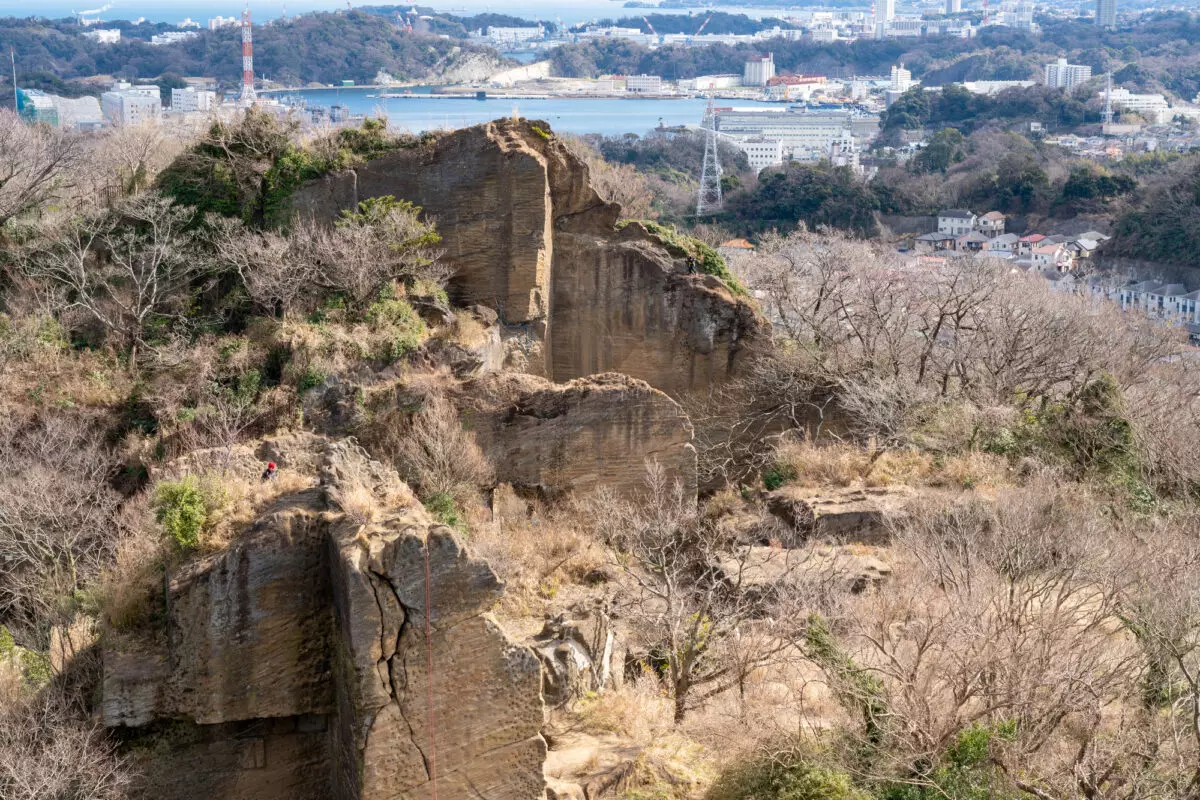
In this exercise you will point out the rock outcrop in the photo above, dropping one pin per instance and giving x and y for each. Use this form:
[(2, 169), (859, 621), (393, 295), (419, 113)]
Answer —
[(579, 436), (528, 236), (859, 515), (340, 648)]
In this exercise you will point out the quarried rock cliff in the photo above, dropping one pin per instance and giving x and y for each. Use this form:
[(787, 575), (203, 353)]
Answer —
[(528, 236), (341, 648)]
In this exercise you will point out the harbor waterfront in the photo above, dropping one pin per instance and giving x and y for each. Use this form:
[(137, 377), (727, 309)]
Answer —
[(422, 111)]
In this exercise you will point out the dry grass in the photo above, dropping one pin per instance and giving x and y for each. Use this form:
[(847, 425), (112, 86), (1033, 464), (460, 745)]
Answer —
[(841, 464), (540, 559), (834, 464)]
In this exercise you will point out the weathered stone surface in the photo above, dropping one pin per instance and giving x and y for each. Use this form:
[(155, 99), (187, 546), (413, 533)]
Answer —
[(840, 515), (578, 436), (757, 567), (528, 236), (300, 663)]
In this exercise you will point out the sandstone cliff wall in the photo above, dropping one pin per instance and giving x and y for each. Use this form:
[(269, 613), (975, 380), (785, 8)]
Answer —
[(312, 660), (580, 436), (530, 237)]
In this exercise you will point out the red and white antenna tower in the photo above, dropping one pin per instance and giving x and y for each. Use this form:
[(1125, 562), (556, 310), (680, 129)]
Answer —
[(987, 14), (248, 97)]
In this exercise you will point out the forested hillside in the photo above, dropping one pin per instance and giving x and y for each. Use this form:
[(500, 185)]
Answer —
[(319, 47)]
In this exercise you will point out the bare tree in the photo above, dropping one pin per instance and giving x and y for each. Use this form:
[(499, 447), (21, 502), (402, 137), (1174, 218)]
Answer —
[(58, 520), (125, 268), (703, 606), (37, 163)]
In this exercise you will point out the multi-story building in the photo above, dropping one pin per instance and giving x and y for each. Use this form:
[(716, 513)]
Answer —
[(953, 6), (172, 37), (991, 224), (887, 8), (761, 152), (222, 22), (759, 70), (801, 132), (901, 79), (644, 84), (81, 113), (795, 87), (131, 105), (1154, 107), (192, 99), (104, 35), (956, 222), (1106, 13), (1062, 75), (514, 36)]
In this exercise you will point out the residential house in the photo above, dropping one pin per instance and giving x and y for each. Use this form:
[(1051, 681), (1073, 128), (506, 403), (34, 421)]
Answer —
[(1081, 248), (956, 222), (991, 224), (1027, 244), (1003, 246), (1049, 257), (931, 242), (972, 242)]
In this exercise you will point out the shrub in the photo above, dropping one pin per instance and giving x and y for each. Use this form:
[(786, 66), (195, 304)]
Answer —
[(445, 510), (186, 509), (399, 324), (786, 776), (708, 260)]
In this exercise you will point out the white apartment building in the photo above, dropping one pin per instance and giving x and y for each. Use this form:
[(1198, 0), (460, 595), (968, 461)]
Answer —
[(761, 152), (513, 36), (901, 79), (104, 35), (171, 37), (1062, 75), (222, 22), (131, 105), (192, 99), (824, 34), (759, 71), (953, 6), (1153, 107), (887, 10), (707, 82), (1106, 13), (644, 84), (800, 132)]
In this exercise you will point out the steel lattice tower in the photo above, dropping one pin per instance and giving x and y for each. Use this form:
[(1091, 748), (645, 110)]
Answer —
[(709, 200), (248, 97)]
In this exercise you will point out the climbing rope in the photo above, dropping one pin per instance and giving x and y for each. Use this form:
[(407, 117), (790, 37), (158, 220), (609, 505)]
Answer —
[(429, 675)]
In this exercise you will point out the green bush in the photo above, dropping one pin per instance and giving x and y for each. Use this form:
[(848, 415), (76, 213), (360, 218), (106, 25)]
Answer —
[(445, 510), (708, 260), (7, 643), (777, 476), (785, 777), (394, 318), (311, 378), (185, 508)]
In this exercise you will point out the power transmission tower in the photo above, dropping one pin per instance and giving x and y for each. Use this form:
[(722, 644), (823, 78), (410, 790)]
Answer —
[(709, 200)]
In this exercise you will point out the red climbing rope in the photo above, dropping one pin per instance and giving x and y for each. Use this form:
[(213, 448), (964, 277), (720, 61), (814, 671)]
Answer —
[(429, 675)]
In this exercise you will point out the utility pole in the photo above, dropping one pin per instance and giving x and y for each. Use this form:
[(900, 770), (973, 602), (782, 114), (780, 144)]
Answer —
[(1108, 109), (709, 199)]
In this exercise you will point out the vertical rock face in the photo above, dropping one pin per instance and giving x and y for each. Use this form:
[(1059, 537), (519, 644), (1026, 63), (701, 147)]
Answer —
[(579, 436), (529, 236), (324, 656)]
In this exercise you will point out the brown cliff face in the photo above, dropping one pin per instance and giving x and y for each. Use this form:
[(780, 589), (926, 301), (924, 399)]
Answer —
[(297, 663), (529, 236), (579, 436)]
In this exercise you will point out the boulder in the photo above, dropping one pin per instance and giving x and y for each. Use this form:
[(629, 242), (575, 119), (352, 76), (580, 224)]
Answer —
[(342, 647), (840, 515), (579, 655)]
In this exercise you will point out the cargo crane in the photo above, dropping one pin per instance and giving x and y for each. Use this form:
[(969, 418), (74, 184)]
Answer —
[(653, 32), (703, 25)]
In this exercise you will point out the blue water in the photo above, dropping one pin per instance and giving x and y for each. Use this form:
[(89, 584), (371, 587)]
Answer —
[(571, 11), (610, 117)]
